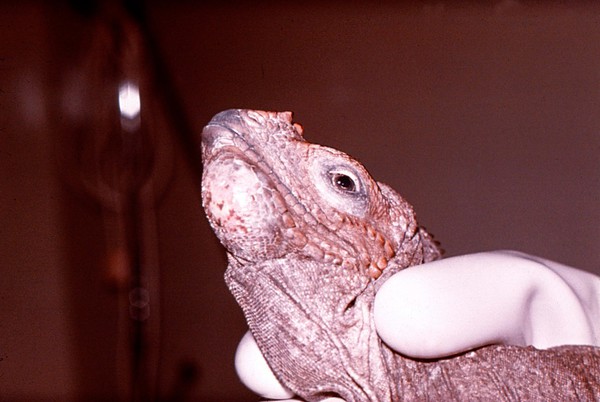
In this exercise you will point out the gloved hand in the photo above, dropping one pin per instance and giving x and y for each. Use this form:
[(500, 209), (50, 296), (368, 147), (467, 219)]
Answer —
[(461, 303)]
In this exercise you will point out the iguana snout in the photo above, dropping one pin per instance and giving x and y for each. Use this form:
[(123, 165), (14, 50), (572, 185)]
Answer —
[(241, 201)]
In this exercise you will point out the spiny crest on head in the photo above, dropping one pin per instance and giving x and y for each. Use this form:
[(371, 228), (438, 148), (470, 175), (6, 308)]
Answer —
[(278, 124)]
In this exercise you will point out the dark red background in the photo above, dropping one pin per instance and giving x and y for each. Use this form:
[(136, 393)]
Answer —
[(485, 116)]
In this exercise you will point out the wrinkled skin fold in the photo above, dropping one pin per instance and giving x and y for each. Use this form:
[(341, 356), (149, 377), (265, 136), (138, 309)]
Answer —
[(310, 238)]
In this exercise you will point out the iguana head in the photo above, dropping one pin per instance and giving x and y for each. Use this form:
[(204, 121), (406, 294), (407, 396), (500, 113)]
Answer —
[(269, 193)]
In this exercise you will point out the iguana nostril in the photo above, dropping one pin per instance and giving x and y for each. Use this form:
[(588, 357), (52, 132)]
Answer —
[(212, 136)]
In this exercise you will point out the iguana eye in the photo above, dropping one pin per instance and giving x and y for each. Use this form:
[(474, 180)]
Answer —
[(340, 181), (344, 182)]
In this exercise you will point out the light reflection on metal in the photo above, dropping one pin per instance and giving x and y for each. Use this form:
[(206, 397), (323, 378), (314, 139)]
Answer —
[(129, 100), (130, 106)]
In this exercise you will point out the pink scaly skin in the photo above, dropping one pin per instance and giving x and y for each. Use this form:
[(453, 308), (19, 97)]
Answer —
[(314, 247), (460, 303)]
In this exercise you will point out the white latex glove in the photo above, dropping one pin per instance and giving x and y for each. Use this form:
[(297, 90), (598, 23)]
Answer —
[(460, 303), (255, 373)]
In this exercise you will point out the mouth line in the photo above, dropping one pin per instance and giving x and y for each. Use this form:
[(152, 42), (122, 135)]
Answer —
[(228, 146), (219, 138)]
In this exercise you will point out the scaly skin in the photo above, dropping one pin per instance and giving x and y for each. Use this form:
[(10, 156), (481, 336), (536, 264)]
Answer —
[(310, 238)]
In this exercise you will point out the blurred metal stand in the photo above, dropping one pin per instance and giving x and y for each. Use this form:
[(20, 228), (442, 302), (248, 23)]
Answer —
[(121, 154)]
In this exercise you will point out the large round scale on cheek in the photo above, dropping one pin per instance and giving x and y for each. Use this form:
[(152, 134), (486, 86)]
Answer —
[(239, 204)]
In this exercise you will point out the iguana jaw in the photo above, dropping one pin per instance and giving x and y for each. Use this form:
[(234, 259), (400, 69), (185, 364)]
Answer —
[(239, 197)]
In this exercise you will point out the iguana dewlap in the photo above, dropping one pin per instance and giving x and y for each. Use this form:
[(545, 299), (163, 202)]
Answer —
[(310, 238)]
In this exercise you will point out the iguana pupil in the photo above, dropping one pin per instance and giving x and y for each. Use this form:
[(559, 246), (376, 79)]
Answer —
[(344, 182)]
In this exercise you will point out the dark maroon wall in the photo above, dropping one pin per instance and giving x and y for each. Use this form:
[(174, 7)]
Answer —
[(485, 117)]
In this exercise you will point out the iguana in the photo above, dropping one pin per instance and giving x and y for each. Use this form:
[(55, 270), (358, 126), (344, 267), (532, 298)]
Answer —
[(310, 238)]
